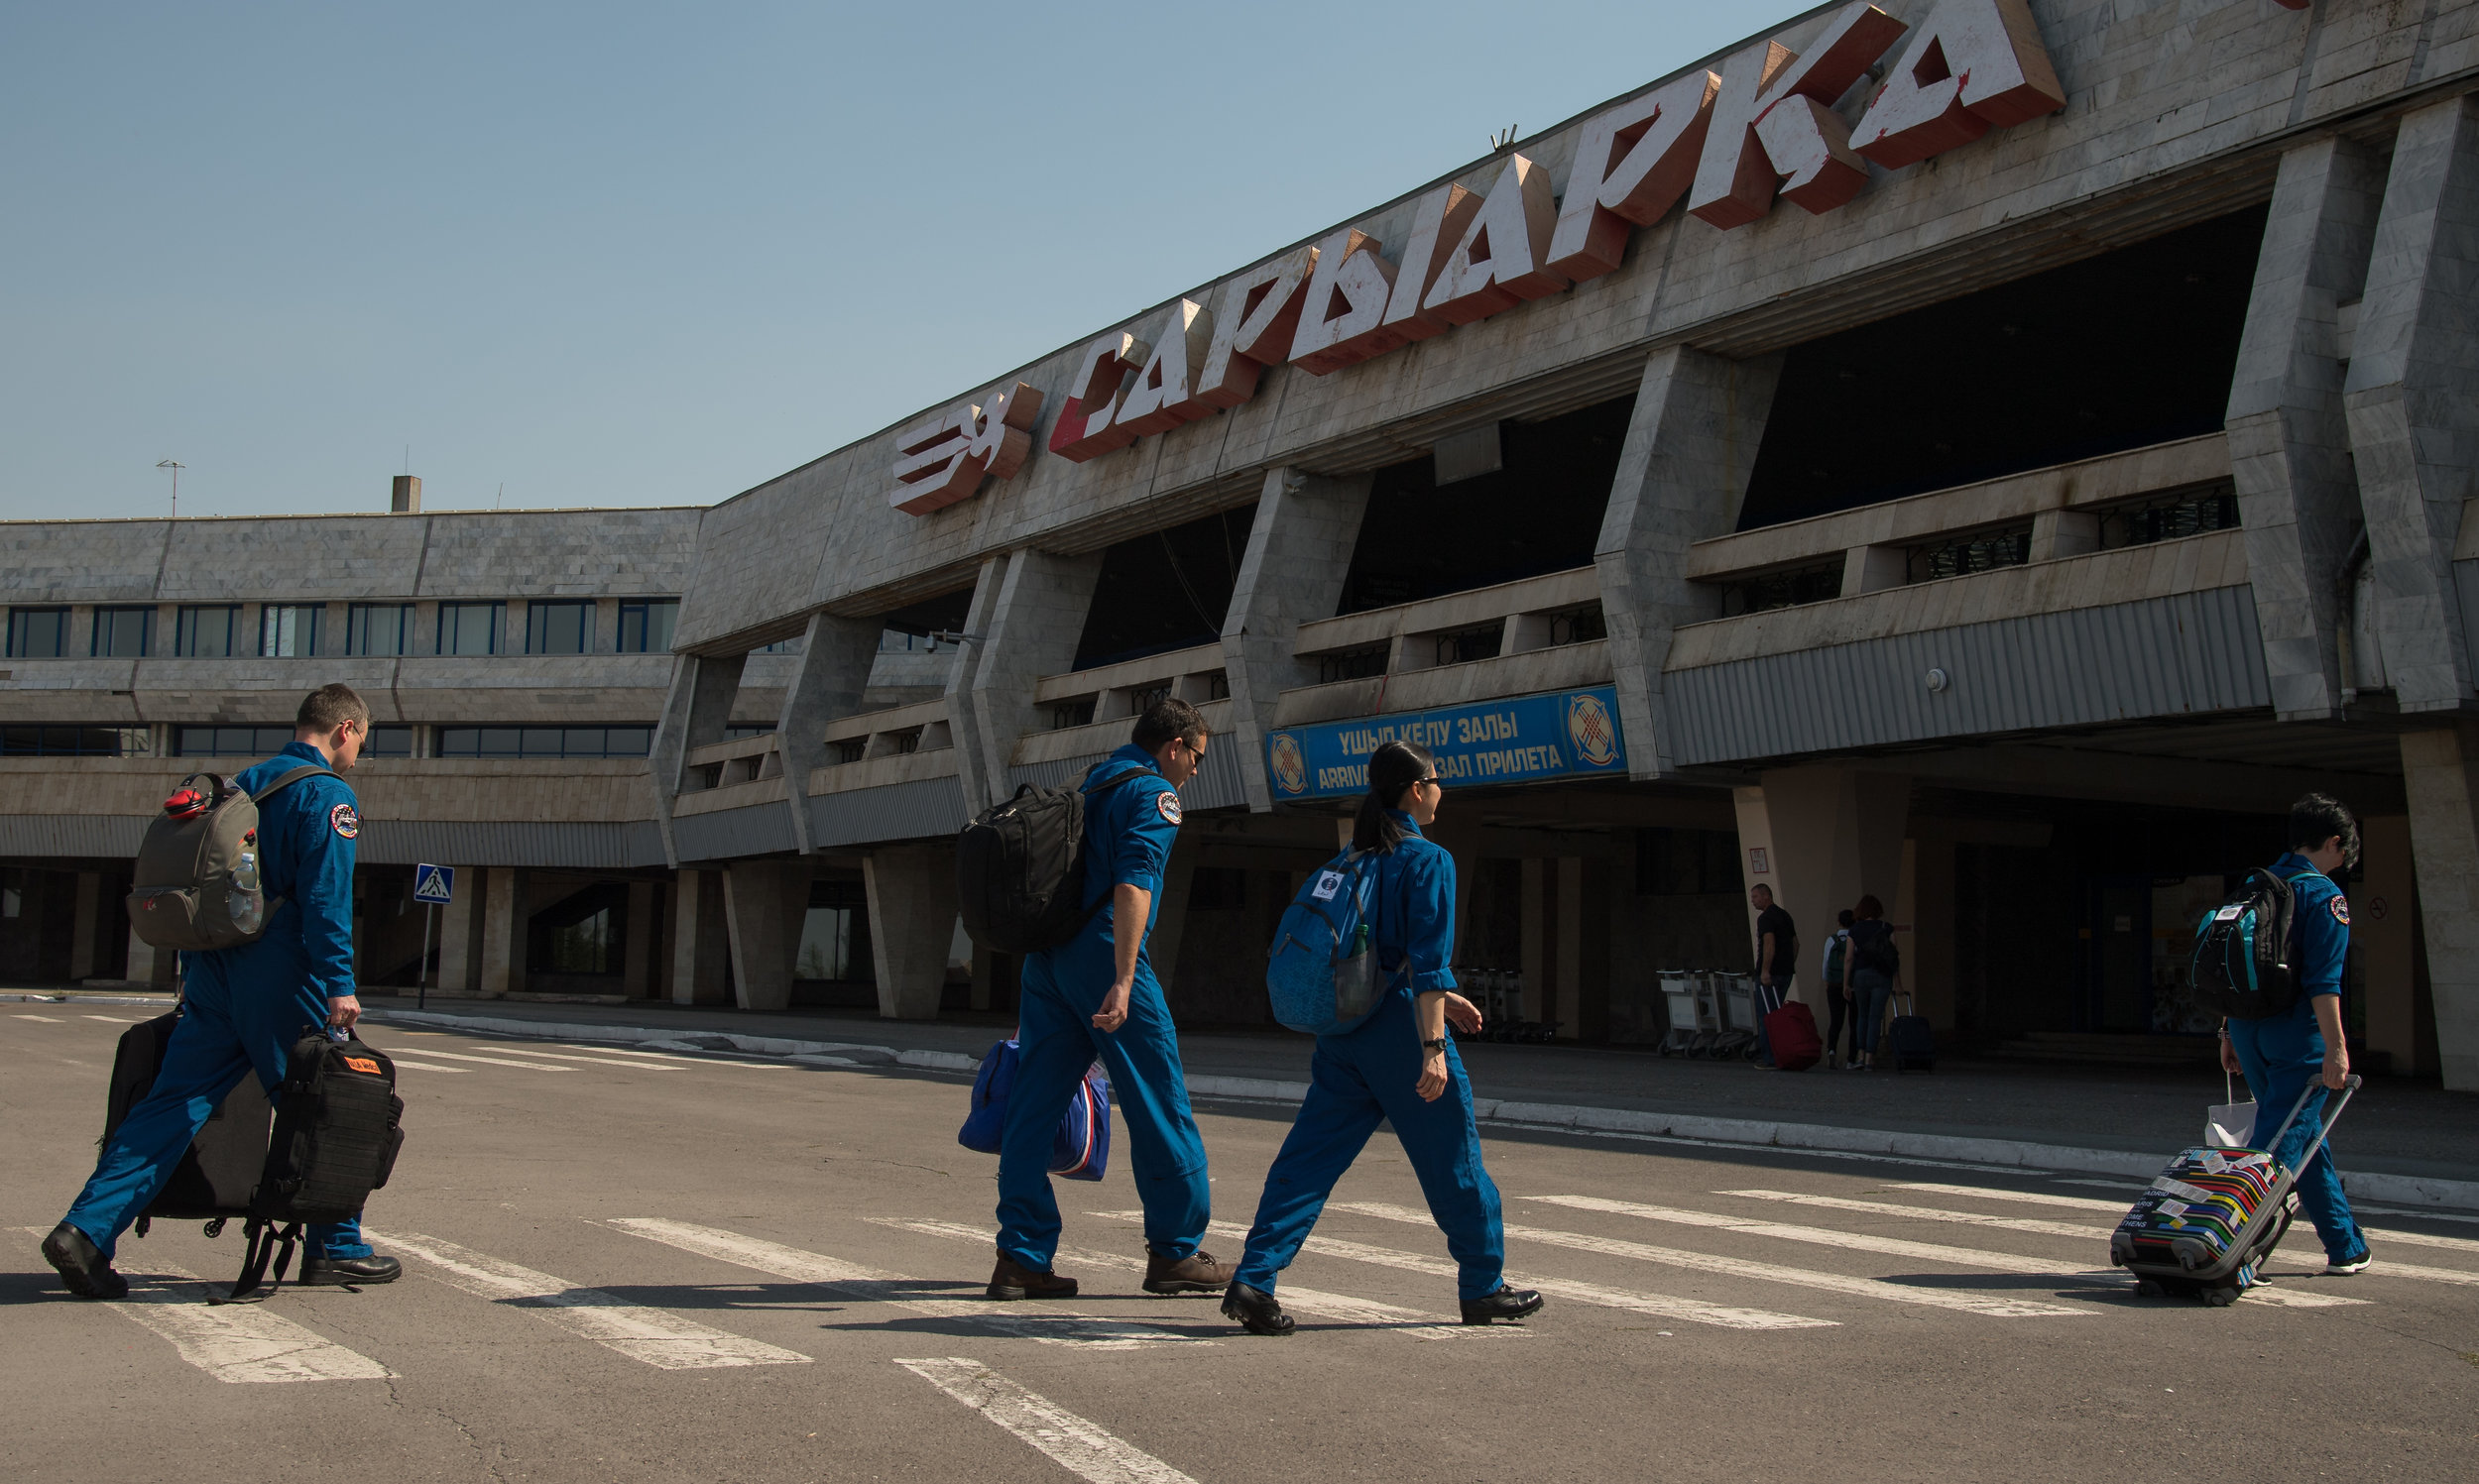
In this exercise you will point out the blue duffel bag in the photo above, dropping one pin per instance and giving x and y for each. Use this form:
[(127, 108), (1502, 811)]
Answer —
[(1082, 1148)]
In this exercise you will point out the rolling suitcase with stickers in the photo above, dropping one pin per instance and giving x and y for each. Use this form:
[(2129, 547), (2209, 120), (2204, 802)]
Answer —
[(2204, 1227)]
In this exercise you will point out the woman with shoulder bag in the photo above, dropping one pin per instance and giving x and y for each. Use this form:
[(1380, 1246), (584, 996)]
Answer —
[(1397, 1065), (1873, 969)]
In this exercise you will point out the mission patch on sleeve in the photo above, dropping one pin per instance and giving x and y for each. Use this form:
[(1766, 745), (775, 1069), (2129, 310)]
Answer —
[(1168, 803), (345, 819), (2341, 910)]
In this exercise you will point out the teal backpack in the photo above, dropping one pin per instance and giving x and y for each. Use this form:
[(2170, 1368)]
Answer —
[(1321, 971)]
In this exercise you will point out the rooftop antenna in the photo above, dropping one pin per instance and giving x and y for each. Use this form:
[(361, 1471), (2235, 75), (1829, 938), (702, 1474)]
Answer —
[(500, 496), (1500, 141), (175, 466)]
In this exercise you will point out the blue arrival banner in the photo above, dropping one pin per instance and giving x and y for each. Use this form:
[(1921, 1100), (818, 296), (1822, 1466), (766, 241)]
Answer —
[(1529, 739)]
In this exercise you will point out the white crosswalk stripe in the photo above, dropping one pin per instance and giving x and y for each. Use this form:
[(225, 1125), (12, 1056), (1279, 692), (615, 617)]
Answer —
[(1365, 1313), (429, 1067), (1964, 1257), (1705, 1262), (1660, 1305), (554, 1056), (239, 1342), (2080, 1232), (2079, 1202), (1049, 1323), (1065, 1439), (45, 1019), (116, 1019), (459, 1056), (655, 1336)]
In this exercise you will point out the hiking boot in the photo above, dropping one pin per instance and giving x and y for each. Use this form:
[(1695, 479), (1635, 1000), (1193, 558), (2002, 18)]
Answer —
[(1197, 1273), (1012, 1279), (2342, 1267), (1258, 1311), (1505, 1304), (336, 1270), (84, 1270)]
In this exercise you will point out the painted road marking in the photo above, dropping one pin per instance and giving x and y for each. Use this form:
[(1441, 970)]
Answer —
[(1048, 1323), (1060, 1435), (652, 1335), (2119, 1209), (1705, 1262), (520, 1051), (45, 1019), (2079, 1232), (650, 1055), (430, 1067), (459, 1056), (1962, 1257), (2114, 1208), (1365, 1312), (1634, 1301), (118, 1019), (240, 1342)]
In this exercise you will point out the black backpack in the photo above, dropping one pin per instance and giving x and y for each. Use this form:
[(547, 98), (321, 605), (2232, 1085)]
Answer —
[(338, 1128), (217, 1172), (1020, 868), (2242, 950), (1872, 947)]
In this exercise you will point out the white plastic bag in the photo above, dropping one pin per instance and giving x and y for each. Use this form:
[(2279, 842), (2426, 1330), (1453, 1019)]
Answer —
[(2230, 1124)]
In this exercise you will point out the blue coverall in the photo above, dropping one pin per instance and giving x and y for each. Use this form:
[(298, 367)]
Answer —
[(1369, 1073), (2283, 1054), (245, 1006), (1127, 831)]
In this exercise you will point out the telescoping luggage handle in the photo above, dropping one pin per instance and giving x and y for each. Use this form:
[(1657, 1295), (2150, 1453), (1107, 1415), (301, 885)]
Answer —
[(2349, 1086)]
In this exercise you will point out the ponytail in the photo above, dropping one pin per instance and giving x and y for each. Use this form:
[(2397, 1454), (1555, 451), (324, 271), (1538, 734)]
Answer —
[(1392, 769)]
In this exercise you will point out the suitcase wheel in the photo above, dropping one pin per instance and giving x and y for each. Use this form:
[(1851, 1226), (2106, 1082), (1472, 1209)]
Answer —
[(2219, 1298), (2147, 1288)]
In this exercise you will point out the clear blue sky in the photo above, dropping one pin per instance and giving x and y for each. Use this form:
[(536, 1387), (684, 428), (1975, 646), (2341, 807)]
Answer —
[(621, 254)]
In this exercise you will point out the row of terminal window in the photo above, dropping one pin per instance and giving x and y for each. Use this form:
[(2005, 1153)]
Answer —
[(386, 740), (222, 631)]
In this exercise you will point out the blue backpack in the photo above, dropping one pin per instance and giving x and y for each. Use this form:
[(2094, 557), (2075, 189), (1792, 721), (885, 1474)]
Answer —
[(1081, 1149), (1321, 971)]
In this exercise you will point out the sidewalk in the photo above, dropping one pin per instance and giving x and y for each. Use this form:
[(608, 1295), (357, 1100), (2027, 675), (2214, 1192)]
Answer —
[(2402, 1142)]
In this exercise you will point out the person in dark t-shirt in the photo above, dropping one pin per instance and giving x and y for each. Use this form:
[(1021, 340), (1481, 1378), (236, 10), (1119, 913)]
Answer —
[(1776, 962)]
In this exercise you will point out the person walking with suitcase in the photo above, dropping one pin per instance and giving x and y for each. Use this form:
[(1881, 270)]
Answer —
[(1777, 963), (245, 1006), (2284, 1055), (1398, 1066), (1096, 997), (1875, 966), (1837, 995)]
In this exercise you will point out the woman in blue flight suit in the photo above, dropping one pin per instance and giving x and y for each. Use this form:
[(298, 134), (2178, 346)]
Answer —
[(1397, 1065)]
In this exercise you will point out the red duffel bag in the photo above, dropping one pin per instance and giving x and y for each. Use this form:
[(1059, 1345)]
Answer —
[(1792, 1030)]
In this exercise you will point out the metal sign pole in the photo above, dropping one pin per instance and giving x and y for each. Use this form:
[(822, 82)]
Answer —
[(422, 966)]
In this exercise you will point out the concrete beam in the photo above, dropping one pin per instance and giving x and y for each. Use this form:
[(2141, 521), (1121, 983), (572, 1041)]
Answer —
[(696, 710), (765, 903), (2384, 930), (1682, 477), (459, 939), (912, 923), (2289, 433), (981, 788), (503, 919), (698, 938), (1299, 554), (1034, 627), (828, 682), (2440, 770), (2412, 402)]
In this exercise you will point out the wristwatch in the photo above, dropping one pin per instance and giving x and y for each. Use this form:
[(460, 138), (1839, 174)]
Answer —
[(1438, 1046)]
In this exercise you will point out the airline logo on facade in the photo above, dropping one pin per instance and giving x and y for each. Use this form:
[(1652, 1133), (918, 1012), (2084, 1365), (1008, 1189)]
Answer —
[(1729, 143)]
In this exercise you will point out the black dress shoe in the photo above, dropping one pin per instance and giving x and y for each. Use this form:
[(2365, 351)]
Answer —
[(341, 1270), (1505, 1304), (84, 1270), (1258, 1311)]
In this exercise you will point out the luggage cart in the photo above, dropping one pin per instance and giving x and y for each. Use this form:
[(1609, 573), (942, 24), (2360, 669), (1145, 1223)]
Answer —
[(1736, 999), (1688, 1003)]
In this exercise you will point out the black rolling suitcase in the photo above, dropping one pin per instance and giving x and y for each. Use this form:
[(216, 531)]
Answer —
[(1908, 1042), (215, 1179)]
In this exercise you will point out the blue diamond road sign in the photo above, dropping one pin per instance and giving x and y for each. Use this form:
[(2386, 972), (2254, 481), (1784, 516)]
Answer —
[(434, 883)]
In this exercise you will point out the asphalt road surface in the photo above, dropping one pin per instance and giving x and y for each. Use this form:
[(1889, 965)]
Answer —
[(629, 1266)]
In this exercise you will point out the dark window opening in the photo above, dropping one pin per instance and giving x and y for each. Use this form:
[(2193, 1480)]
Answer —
[(2164, 517), (1784, 588), (1578, 625), (851, 749), (206, 632), (1218, 888), (288, 630), (1145, 699), (390, 742), (834, 964), (1462, 645), (645, 624), (1686, 862), (230, 742), (545, 742), (78, 742), (1541, 512), (1352, 664), (582, 935), (1071, 714), (1985, 553), (2131, 348), (944, 614), (378, 628), (37, 632), (561, 628), (1165, 589), (124, 632)]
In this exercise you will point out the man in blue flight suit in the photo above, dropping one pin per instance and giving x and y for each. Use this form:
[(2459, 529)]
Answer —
[(1097, 997), (2283, 1054), (244, 1007)]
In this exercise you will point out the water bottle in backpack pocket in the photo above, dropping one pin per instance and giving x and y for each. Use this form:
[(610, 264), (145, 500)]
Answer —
[(1321, 971)]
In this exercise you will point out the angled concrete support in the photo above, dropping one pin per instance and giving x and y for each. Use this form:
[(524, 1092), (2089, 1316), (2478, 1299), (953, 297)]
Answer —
[(1822, 837), (2288, 434), (765, 902), (1682, 476), (833, 672), (2441, 772), (695, 712), (699, 937), (981, 790), (2413, 396), (1034, 626), (912, 924), (1299, 554)]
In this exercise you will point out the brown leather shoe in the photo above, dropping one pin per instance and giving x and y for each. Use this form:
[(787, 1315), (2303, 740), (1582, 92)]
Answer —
[(1197, 1273), (1012, 1279)]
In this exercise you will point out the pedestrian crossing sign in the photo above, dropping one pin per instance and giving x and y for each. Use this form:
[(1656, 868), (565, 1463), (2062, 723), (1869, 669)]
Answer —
[(434, 883)]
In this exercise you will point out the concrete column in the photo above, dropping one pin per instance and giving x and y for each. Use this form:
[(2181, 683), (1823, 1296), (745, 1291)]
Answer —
[(2055, 534), (2289, 436), (980, 789), (637, 965), (1826, 833), (1928, 969), (912, 923), (2382, 929), (765, 903), (146, 966), (1034, 626), (2412, 398), (1171, 915), (1299, 554), (1682, 477), (1541, 959), (698, 938), (695, 712), (458, 940), (827, 682), (1583, 943), (503, 919), (2438, 768), (84, 921), (1873, 569)]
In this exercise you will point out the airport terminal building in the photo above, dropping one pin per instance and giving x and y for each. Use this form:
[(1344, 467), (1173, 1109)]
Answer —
[(1990, 454)]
